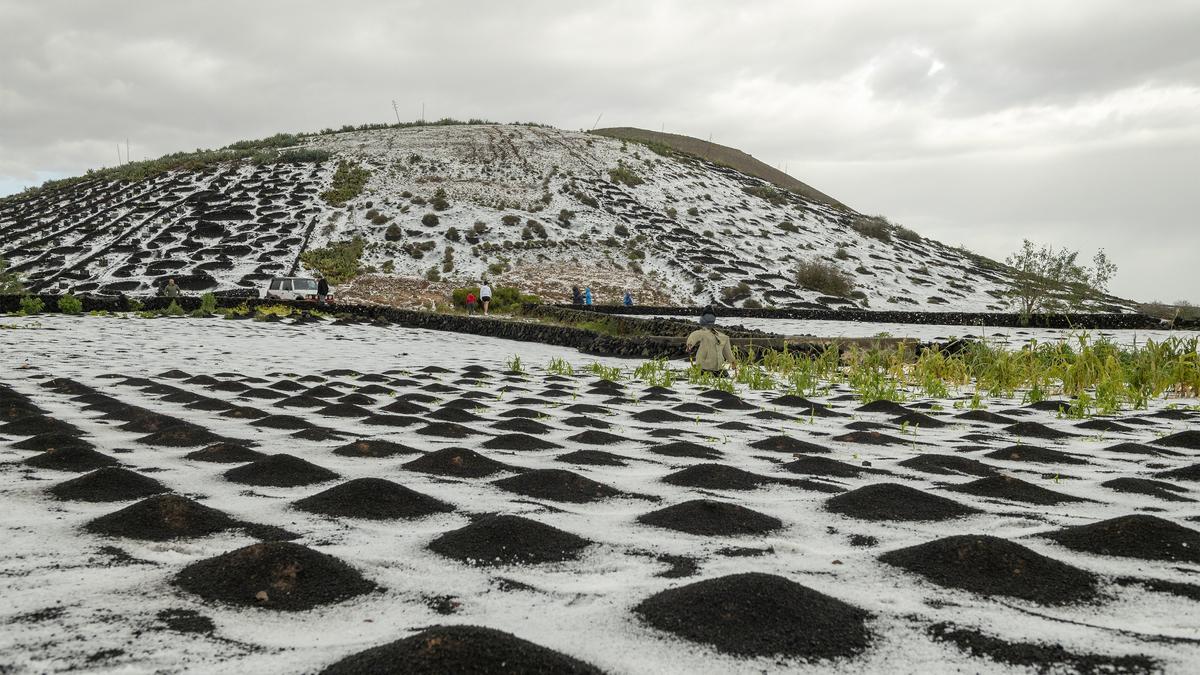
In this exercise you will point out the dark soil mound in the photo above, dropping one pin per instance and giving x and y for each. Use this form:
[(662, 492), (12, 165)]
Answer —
[(527, 413), (717, 477), (994, 566), (557, 484), (708, 517), (70, 458), (889, 407), (161, 518), (36, 425), (823, 466), (759, 615), (891, 501), (592, 457), (1144, 486), (1036, 430), (286, 422), (1050, 405), (594, 437), (390, 420), (460, 649), (589, 422), (520, 442), (182, 436), (1137, 536), (355, 399), (948, 465), (280, 470), (405, 408), (787, 444), (734, 425), (145, 421), (869, 438), (1140, 449), (186, 621), (916, 419), (793, 401), (1103, 425), (319, 434), (1189, 440), (446, 414), (686, 449), (523, 426), (1013, 489), (1043, 658), (303, 401), (1190, 472), (47, 442), (985, 416), (372, 498), (373, 447), (506, 540), (447, 430), (245, 412), (225, 453), (693, 408), (1032, 453), (110, 484), (274, 575), (654, 416), (459, 462)]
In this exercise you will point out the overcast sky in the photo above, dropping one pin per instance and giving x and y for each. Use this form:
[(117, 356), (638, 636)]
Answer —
[(1072, 123)]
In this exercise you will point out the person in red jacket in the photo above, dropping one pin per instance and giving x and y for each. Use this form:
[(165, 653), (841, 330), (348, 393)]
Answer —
[(470, 303)]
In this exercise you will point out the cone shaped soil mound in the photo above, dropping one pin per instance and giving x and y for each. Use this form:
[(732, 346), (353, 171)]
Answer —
[(447, 430), (280, 470), (373, 447), (1013, 489), (1037, 656), (507, 540), (1136, 536), (1189, 440), (654, 416), (1145, 486), (182, 436), (225, 453), (787, 444), (372, 498), (35, 425), (70, 458), (986, 417), (869, 438), (519, 442), (917, 419), (686, 449), (1189, 472), (708, 517), (558, 485), (459, 462), (461, 649), (110, 484), (994, 566), (273, 575), (161, 518), (47, 442), (1036, 430), (948, 465), (592, 457), (596, 437), (523, 426), (1140, 449), (1032, 453), (823, 466), (717, 477), (758, 614), (892, 501)]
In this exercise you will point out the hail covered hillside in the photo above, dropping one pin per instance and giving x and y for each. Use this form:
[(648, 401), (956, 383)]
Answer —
[(440, 206)]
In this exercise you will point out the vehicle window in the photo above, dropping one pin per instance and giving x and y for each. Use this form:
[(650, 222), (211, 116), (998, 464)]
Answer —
[(276, 283), (287, 285), (306, 285)]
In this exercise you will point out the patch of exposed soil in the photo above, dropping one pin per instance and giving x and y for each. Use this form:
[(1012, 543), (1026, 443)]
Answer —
[(508, 540), (109, 484), (895, 502), (372, 498), (708, 517)]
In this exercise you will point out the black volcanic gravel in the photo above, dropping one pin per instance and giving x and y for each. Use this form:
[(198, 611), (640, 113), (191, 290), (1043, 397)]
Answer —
[(558, 485), (460, 649), (447, 430), (527, 413), (161, 518), (1144, 486), (948, 465), (823, 466), (993, 566), (374, 447), (708, 517), (717, 477), (917, 419), (281, 470), (985, 416), (70, 458), (654, 416), (286, 422), (459, 462), (1140, 449), (182, 436), (1189, 472), (273, 575), (344, 410), (596, 437), (373, 498), (1042, 658), (889, 407), (445, 414), (36, 425), (1013, 489), (892, 501), (390, 421), (1136, 536), (1033, 453), (787, 444), (590, 422), (1189, 440), (523, 426), (519, 442), (507, 540), (686, 449), (45, 442), (110, 484), (225, 453), (400, 407), (756, 614), (592, 457), (1036, 430), (869, 438)]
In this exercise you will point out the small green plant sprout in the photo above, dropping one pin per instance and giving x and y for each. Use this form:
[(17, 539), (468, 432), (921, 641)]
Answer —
[(560, 366), (32, 304), (610, 373), (514, 364), (69, 304)]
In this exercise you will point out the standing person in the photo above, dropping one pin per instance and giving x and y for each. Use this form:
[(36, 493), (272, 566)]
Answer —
[(485, 296), (628, 299), (712, 346), (576, 296), (171, 290), (322, 289), (470, 303), (587, 296)]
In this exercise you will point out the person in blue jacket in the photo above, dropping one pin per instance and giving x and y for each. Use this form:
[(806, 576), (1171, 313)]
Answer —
[(587, 296), (628, 299)]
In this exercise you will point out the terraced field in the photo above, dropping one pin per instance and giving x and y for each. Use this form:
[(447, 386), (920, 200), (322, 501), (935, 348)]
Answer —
[(200, 495)]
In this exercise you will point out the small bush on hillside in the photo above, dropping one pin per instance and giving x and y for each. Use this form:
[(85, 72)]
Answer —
[(208, 303), (511, 220), (537, 228), (388, 267), (671, 212), (338, 262), (624, 174), (378, 218), (693, 211), (906, 234), (432, 274), (823, 277), (439, 201), (69, 304), (430, 220), (479, 227), (173, 309), (621, 230), (775, 196), (10, 282), (32, 304), (393, 233), (565, 216), (453, 235), (876, 228), (732, 294), (496, 268), (751, 303), (348, 182), (841, 254), (419, 200)]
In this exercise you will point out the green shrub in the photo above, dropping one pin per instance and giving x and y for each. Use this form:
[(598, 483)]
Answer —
[(173, 309), (824, 278), (430, 220), (479, 227), (624, 174), (906, 234), (497, 268), (841, 254), (504, 298), (671, 212), (621, 230), (338, 262), (69, 304), (773, 195), (348, 182), (393, 233), (439, 201), (32, 304), (452, 234), (208, 303), (565, 216), (875, 227), (787, 226), (432, 274), (511, 220), (693, 211), (388, 267), (10, 282)]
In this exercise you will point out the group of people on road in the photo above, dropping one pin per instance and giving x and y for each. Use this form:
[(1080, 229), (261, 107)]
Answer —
[(585, 297)]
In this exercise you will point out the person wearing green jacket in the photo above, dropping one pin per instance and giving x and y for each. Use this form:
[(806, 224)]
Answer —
[(712, 347), (171, 290)]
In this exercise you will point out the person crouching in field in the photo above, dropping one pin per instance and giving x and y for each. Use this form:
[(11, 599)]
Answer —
[(712, 347)]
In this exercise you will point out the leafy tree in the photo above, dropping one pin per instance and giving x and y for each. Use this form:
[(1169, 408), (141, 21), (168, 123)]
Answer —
[(1047, 280), (10, 282)]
